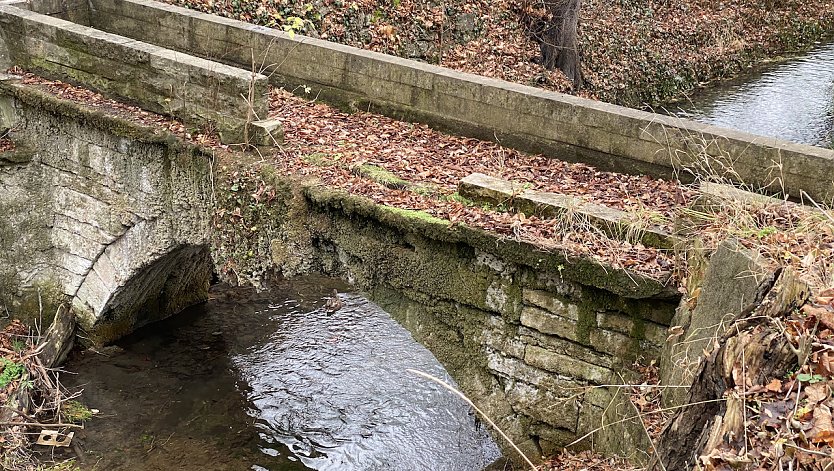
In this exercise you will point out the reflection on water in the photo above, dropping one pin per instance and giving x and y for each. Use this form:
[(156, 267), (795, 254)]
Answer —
[(272, 381), (792, 100), (333, 388)]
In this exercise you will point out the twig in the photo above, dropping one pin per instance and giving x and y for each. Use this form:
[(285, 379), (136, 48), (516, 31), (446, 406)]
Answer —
[(813, 452), (639, 416), (489, 421), (38, 424)]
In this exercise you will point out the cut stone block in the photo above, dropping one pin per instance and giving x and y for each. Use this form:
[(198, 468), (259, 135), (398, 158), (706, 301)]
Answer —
[(266, 133), (618, 224)]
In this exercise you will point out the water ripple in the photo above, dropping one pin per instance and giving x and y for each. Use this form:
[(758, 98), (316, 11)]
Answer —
[(792, 100), (333, 388)]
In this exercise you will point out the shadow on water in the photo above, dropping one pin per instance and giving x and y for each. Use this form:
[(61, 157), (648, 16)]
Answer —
[(271, 381), (792, 100)]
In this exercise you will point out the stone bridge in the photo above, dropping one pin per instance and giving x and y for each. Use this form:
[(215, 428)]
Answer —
[(117, 217), (113, 217)]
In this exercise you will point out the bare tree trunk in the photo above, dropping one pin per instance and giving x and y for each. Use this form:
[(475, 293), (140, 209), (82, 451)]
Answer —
[(559, 41)]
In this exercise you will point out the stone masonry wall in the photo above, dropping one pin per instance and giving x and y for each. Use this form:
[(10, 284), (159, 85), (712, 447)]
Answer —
[(99, 212), (117, 217), (198, 91), (567, 127), (529, 335)]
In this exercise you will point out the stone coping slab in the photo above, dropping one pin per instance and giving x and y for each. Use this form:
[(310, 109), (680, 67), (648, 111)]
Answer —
[(613, 222), (584, 270)]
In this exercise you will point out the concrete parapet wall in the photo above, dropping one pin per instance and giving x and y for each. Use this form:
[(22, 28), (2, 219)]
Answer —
[(563, 126), (77, 11), (193, 89)]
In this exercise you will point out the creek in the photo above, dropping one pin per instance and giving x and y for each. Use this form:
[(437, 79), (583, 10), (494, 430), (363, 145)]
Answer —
[(791, 99), (271, 380)]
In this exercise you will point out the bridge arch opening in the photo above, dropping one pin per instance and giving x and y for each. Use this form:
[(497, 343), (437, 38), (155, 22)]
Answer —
[(167, 284)]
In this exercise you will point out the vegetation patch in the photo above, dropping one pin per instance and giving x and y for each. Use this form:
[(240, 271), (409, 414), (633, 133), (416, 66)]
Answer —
[(12, 371), (75, 412)]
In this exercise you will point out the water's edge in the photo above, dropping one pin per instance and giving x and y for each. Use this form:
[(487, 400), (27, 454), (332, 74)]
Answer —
[(791, 99)]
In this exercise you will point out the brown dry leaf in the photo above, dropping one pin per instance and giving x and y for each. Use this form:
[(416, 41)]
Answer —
[(774, 386), (674, 332), (822, 429), (825, 316), (817, 392), (774, 413), (825, 364)]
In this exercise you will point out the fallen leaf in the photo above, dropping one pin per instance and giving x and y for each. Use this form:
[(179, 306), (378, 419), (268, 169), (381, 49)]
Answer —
[(817, 392), (825, 364), (774, 414), (823, 314), (822, 430), (774, 386)]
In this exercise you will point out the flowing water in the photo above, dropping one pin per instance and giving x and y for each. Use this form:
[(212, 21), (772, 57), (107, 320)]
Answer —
[(792, 100), (272, 381)]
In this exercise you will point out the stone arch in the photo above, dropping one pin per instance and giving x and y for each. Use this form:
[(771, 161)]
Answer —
[(146, 275)]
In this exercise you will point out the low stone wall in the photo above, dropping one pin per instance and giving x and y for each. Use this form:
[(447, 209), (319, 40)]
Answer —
[(198, 91), (528, 334), (100, 212), (77, 11), (566, 127)]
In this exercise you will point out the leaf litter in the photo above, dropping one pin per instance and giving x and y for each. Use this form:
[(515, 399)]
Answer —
[(788, 420)]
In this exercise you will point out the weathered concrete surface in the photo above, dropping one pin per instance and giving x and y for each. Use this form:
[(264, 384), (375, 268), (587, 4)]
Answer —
[(563, 126), (196, 90), (103, 213), (719, 290), (77, 11), (576, 212)]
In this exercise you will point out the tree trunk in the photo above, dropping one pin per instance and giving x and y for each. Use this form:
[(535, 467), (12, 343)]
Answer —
[(751, 353), (558, 41)]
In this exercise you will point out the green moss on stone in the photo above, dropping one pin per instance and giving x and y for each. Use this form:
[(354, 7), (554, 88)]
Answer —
[(320, 159), (418, 215), (586, 322), (381, 176)]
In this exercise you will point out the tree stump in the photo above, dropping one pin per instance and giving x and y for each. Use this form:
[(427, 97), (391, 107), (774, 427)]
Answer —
[(751, 352)]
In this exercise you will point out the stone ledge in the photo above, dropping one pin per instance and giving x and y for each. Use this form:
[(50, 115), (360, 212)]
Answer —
[(582, 270), (485, 189), (193, 89)]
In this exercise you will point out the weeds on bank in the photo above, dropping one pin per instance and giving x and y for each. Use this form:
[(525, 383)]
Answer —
[(783, 232), (36, 406)]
